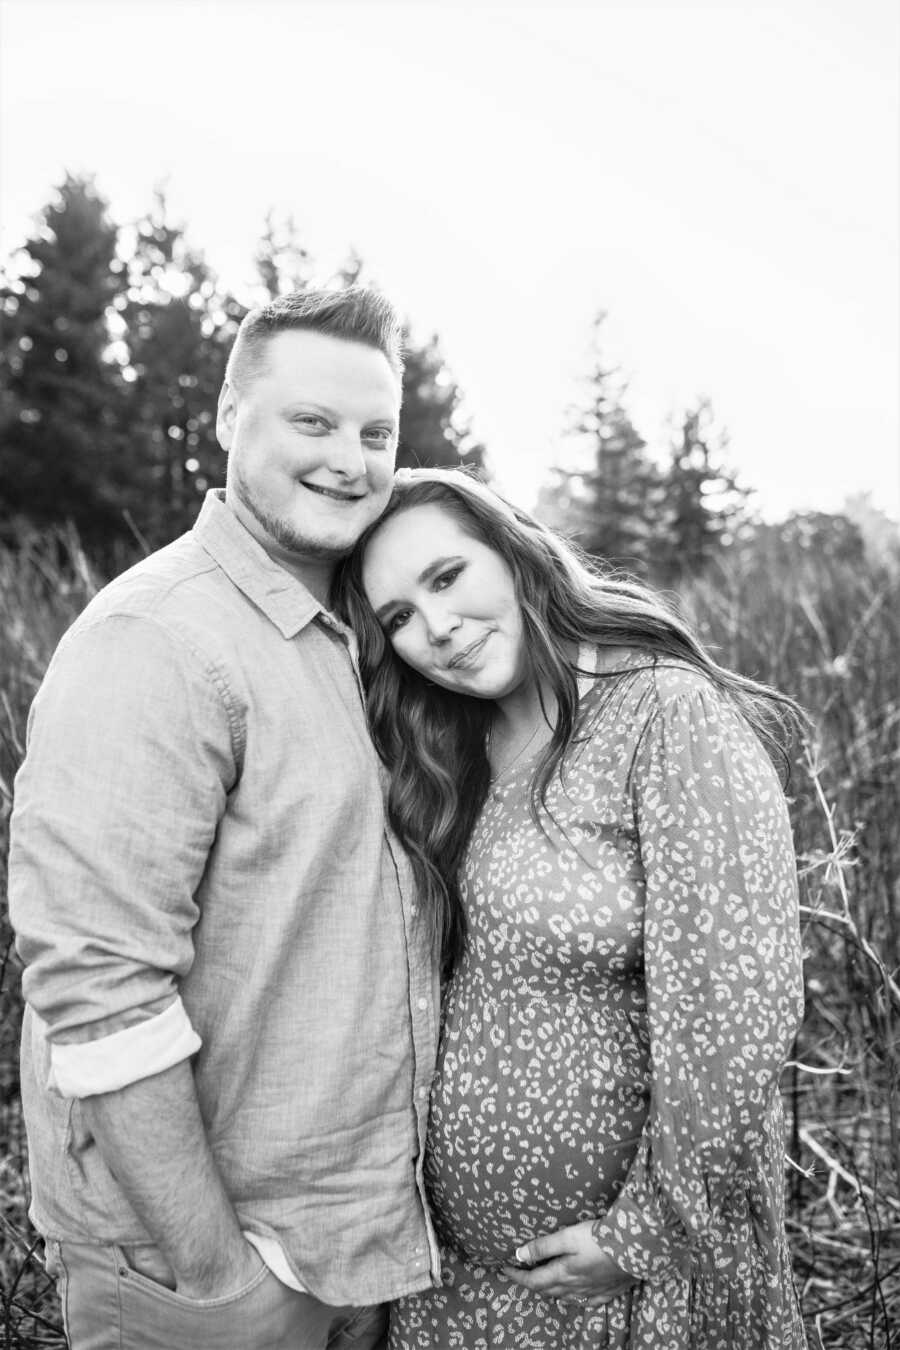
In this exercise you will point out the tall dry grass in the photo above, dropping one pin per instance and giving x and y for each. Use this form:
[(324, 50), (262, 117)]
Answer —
[(44, 585), (826, 630)]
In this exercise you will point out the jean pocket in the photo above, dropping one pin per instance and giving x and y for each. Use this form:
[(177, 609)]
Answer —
[(143, 1284), (367, 1329), (55, 1267)]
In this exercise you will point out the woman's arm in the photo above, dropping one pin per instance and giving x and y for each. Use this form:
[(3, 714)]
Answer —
[(724, 989), (722, 966)]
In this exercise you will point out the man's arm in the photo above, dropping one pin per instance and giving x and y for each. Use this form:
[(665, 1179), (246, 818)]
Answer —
[(152, 1139), (130, 760)]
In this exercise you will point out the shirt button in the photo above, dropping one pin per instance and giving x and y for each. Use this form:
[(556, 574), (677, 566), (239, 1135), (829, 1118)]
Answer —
[(423, 1004), (413, 909), (423, 1093)]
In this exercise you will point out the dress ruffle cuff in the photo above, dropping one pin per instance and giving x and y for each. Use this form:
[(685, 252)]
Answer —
[(643, 1244)]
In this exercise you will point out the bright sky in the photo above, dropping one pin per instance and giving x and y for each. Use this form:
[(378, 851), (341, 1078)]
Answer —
[(721, 177)]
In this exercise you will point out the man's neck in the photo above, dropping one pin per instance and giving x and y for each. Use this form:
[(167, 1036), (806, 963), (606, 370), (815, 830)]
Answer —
[(316, 574)]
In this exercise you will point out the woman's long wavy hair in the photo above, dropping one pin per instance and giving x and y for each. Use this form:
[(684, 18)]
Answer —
[(434, 742)]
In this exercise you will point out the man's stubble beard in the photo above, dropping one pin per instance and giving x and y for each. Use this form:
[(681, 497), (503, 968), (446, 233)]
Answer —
[(283, 534)]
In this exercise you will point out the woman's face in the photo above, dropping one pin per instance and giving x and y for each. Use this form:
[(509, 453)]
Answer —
[(447, 603)]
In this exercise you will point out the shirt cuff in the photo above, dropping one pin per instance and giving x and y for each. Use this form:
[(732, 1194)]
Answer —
[(112, 1062), (273, 1255)]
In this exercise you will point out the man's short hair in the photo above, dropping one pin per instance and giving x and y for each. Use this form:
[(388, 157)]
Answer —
[(356, 314)]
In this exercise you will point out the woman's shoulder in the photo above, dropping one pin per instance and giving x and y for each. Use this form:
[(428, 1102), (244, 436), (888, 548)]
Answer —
[(652, 678), (635, 694)]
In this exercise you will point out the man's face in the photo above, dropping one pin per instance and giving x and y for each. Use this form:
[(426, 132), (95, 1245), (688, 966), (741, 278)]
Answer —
[(311, 443)]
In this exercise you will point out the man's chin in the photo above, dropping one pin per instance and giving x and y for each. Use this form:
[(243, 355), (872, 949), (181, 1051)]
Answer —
[(297, 541), (312, 548)]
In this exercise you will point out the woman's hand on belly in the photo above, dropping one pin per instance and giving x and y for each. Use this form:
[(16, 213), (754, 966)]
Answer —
[(568, 1266)]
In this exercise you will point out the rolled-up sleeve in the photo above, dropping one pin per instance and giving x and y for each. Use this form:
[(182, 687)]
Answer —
[(132, 749)]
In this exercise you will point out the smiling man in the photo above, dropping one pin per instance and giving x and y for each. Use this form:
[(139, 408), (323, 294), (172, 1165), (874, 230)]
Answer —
[(230, 1006)]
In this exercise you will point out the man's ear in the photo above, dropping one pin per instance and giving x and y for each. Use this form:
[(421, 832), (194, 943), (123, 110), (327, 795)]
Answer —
[(225, 415)]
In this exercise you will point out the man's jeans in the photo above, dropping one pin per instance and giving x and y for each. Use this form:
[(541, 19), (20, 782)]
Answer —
[(109, 1306)]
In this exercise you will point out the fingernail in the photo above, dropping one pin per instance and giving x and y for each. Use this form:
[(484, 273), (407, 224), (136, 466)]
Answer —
[(522, 1255)]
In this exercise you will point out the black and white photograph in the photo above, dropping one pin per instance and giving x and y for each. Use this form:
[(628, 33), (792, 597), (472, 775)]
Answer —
[(449, 675)]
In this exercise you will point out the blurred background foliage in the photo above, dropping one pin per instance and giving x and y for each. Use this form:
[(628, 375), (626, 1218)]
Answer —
[(113, 352), (113, 348)]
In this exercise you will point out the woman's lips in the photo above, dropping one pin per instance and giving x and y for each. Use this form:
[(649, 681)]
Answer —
[(468, 654)]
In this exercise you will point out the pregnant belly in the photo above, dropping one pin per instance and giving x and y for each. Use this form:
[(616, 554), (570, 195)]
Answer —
[(535, 1117)]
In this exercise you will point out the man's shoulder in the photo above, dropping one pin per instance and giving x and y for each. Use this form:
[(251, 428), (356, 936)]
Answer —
[(176, 605), (165, 575), (179, 586)]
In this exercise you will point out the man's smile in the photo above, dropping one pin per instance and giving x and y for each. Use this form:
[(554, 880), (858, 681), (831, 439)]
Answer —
[(334, 494)]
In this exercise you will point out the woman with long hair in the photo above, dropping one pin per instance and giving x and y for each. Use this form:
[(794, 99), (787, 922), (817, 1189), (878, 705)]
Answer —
[(603, 852)]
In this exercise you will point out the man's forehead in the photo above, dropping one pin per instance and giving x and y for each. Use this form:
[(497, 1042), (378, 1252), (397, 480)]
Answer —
[(299, 354)]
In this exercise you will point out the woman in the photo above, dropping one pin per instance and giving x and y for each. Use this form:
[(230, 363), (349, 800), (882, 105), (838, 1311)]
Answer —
[(607, 860)]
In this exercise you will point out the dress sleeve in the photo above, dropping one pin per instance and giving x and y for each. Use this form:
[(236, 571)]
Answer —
[(722, 965)]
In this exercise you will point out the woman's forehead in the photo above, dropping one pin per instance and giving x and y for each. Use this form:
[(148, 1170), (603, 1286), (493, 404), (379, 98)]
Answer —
[(403, 551), (417, 527)]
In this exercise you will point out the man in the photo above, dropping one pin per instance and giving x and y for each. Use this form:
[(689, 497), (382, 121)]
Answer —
[(231, 1008)]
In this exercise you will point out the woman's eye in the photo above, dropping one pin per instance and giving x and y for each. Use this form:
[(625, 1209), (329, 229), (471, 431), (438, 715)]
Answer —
[(445, 579), (396, 621)]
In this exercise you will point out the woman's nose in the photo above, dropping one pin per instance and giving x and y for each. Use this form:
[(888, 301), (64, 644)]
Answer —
[(441, 623)]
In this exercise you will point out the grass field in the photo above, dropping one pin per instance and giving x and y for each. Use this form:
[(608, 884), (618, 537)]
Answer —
[(825, 629)]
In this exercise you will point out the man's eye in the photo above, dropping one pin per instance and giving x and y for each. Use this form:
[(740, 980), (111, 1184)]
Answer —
[(309, 422), (381, 435)]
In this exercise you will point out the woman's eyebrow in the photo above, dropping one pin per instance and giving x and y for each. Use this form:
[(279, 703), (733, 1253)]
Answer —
[(421, 580)]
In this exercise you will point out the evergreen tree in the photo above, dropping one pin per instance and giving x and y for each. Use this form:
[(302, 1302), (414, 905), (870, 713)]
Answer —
[(110, 373), (610, 501), (282, 262), (702, 502), (433, 433), (177, 330), (62, 454), (880, 534), (809, 542)]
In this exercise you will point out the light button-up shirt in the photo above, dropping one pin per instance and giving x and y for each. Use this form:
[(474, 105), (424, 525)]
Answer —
[(201, 865)]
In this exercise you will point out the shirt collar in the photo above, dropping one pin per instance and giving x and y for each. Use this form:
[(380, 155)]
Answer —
[(282, 598)]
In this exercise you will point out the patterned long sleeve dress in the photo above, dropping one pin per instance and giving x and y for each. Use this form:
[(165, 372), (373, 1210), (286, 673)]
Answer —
[(614, 1035)]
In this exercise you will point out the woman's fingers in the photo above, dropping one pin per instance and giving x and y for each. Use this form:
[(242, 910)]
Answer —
[(550, 1280), (562, 1288), (568, 1282), (568, 1266), (544, 1247)]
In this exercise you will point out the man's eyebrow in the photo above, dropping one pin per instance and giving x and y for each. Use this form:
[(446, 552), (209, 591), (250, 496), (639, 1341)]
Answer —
[(309, 405), (424, 576), (302, 405)]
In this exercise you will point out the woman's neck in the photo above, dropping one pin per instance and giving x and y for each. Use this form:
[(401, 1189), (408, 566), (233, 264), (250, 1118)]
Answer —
[(519, 712), (520, 727)]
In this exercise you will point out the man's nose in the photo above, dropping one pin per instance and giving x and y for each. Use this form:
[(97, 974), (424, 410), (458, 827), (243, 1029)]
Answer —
[(345, 454)]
